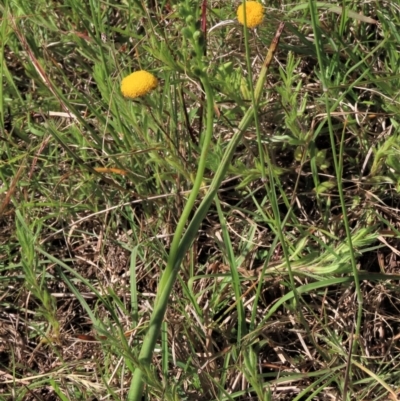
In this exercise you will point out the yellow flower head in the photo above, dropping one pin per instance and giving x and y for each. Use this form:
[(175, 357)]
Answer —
[(138, 84), (254, 14)]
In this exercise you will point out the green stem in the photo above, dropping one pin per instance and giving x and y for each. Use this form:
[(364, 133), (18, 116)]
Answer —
[(168, 277), (253, 94)]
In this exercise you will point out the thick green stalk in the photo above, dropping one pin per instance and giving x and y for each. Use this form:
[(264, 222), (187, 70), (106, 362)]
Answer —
[(201, 212), (174, 260), (169, 275)]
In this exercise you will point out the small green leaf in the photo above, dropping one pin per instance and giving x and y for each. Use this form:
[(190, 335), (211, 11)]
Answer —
[(244, 89), (393, 162), (298, 153), (321, 160), (226, 68), (325, 187), (379, 179)]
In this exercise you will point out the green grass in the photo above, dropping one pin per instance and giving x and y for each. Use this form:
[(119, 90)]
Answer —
[(231, 236)]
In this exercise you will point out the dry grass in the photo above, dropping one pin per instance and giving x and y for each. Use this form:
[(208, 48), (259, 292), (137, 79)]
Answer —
[(81, 249)]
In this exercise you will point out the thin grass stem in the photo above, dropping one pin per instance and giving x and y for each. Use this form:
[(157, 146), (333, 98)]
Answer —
[(337, 164)]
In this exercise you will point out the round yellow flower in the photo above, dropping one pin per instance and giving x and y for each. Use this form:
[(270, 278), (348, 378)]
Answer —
[(138, 84), (254, 14)]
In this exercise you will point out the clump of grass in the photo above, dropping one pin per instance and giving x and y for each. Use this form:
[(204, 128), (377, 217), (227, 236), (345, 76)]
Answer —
[(230, 235)]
